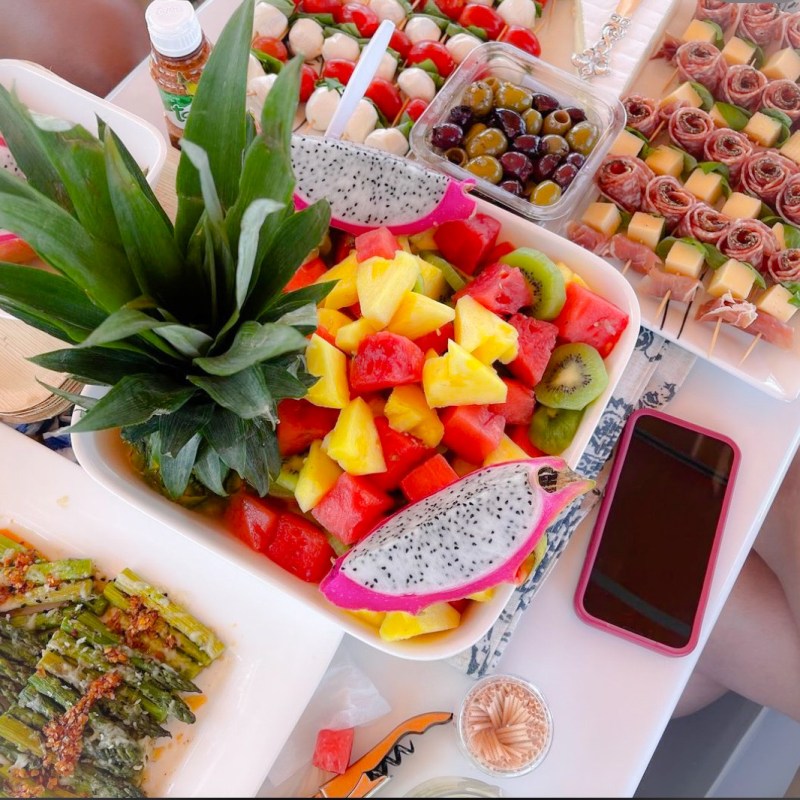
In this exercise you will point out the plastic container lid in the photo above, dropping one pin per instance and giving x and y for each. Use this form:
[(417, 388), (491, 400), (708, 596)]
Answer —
[(173, 27)]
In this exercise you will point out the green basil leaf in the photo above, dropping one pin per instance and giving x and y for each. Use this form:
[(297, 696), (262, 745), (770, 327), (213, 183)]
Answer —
[(714, 258), (325, 20), (719, 35), (791, 236), (705, 96), (272, 65), (286, 7), (734, 116), (432, 10), (714, 166), (784, 119), (665, 245), (689, 162)]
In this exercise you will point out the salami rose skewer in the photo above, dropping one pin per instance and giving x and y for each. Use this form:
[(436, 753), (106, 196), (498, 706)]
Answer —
[(764, 175), (784, 266), (761, 23), (689, 128), (743, 86), (783, 95), (701, 62), (723, 12), (749, 240), (666, 197), (788, 202), (792, 30), (704, 223), (642, 114), (731, 148), (623, 180)]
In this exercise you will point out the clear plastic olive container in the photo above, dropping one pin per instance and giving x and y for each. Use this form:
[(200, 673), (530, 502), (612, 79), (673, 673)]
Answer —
[(508, 63)]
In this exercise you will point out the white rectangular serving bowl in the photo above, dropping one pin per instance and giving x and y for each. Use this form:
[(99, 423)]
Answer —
[(102, 455), (46, 93)]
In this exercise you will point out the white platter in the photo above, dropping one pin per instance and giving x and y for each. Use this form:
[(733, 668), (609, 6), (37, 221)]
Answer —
[(102, 457), (277, 650)]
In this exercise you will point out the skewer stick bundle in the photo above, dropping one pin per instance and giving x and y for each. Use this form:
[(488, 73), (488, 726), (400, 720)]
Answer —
[(750, 348), (714, 336)]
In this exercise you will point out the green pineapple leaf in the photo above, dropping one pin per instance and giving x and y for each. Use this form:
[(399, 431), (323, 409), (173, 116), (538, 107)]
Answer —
[(245, 393), (177, 428), (102, 366), (211, 470), (176, 470)]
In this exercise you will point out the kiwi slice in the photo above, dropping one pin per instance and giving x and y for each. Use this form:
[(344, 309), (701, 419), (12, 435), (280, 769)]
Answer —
[(553, 429), (575, 375), (286, 481), (545, 278), (453, 277)]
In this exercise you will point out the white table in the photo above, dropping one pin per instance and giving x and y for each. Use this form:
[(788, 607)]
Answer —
[(610, 699)]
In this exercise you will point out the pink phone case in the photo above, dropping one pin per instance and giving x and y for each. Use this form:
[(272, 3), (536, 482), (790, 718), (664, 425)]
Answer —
[(605, 507)]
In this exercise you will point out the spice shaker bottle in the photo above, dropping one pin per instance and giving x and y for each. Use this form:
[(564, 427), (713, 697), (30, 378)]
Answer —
[(180, 51)]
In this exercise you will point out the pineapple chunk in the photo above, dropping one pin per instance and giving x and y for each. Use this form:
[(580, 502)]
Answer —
[(344, 293), (329, 364), (459, 379), (382, 283), (482, 597), (424, 241), (603, 217), (404, 242), (350, 336), (374, 618), (626, 144), (482, 333), (741, 206), (462, 467), (684, 259), (685, 92), (430, 430), (332, 320), (665, 160), (705, 186), (317, 476), (775, 302), (738, 51), (354, 442), (763, 129), (434, 284), (699, 31), (783, 65), (646, 229), (570, 276), (791, 147), (733, 277), (400, 625), (777, 229), (507, 450), (407, 411), (418, 315)]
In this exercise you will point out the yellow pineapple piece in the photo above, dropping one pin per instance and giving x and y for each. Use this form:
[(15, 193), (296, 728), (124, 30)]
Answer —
[(418, 315), (507, 450), (430, 353), (329, 364), (332, 320), (382, 283), (404, 242), (344, 293), (570, 275), (484, 334), (317, 476), (424, 241), (434, 284), (482, 597), (350, 336), (527, 567), (458, 379), (400, 625), (430, 430), (462, 467), (407, 411), (354, 441), (374, 618)]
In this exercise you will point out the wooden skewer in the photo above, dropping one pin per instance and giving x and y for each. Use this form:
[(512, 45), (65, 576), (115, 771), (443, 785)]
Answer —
[(714, 336), (658, 130), (626, 266), (662, 306), (750, 349)]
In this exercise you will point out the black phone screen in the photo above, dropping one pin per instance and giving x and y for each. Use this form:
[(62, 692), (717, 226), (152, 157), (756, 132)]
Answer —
[(650, 567)]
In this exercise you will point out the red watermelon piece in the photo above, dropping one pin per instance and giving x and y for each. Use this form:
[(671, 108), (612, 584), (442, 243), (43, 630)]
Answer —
[(301, 548), (472, 432), (427, 478), (500, 288), (586, 317), (518, 407), (537, 339), (379, 242), (333, 749), (306, 274), (401, 452), (300, 423), (253, 520), (465, 243), (436, 340), (384, 360)]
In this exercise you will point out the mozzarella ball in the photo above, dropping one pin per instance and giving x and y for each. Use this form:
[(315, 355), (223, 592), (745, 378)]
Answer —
[(415, 82), (321, 107), (254, 68), (340, 45), (387, 67), (489, 3), (388, 9), (257, 91), (361, 123), (389, 139), (461, 45), (518, 12), (422, 29), (268, 21), (306, 37)]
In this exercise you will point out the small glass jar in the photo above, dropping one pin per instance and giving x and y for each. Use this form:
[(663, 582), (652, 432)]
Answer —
[(452, 786), (504, 726)]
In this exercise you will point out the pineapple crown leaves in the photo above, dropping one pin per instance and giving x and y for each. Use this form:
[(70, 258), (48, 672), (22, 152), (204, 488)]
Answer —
[(187, 325)]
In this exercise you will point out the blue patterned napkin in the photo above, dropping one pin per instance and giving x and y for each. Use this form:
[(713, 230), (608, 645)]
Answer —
[(654, 374)]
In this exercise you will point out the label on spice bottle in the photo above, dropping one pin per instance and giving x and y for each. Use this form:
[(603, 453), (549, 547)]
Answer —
[(177, 107)]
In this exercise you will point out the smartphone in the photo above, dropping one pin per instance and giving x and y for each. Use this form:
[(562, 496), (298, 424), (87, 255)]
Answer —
[(651, 556)]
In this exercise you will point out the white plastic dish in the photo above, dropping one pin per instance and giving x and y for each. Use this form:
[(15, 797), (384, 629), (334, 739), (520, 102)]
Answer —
[(47, 93), (104, 459)]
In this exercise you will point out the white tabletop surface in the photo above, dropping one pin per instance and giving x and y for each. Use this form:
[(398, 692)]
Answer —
[(610, 699)]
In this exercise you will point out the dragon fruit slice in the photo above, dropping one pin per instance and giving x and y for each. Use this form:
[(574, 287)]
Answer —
[(465, 538), (369, 188)]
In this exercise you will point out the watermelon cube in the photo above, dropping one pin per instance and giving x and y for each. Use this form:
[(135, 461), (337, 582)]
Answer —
[(427, 478), (518, 407), (252, 520), (498, 251), (351, 508), (333, 749), (384, 360), (301, 548), (465, 243), (472, 432), (401, 452), (436, 340), (300, 423), (380, 242), (535, 343), (306, 274), (586, 317), (501, 288), (519, 435)]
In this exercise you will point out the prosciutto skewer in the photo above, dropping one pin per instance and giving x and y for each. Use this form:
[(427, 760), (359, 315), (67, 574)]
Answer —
[(772, 330), (658, 283), (587, 237), (727, 308), (639, 256)]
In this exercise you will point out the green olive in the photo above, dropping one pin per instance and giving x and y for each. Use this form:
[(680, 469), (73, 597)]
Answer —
[(473, 131), (546, 193), (557, 121), (583, 137), (554, 144), (493, 82), (479, 97), (456, 155), (486, 167), (514, 97), (533, 121), (491, 142)]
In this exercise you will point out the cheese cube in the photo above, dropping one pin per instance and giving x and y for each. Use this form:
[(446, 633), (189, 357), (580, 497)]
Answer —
[(775, 302), (737, 51), (665, 160), (717, 118), (626, 144), (763, 129), (783, 64), (705, 186), (741, 206), (791, 147), (684, 92), (733, 277), (603, 217), (684, 259), (646, 228), (699, 31), (777, 229)]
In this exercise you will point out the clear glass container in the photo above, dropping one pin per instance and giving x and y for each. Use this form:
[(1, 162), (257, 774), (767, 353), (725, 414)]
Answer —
[(451, 786), (509, 63)]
